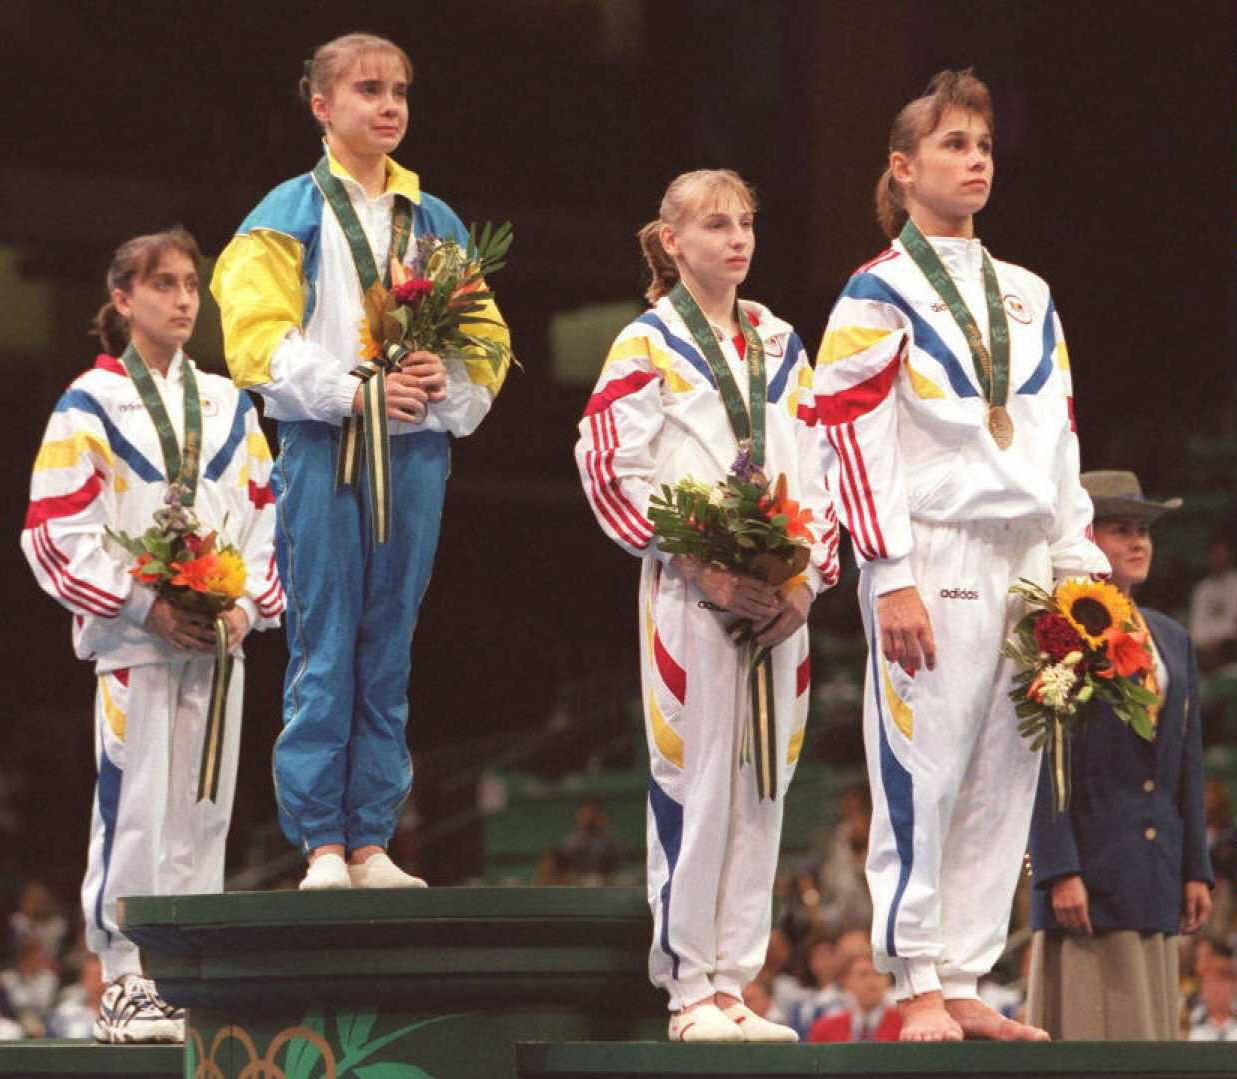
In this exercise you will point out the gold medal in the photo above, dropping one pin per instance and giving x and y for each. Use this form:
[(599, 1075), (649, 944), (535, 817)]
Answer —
[(1001, 426)]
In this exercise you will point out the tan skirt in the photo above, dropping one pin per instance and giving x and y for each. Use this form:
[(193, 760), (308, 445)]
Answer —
[(1116, 986)]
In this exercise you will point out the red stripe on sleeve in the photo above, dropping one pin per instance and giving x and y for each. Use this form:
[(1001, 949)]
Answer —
[(865, 490), (850, 404), (45, 509), (599, 496), (635, 518), (1073, 423), (619, 387), (807, 414), (803, 676), (852, 506), (671, 673), (63, 583), (63, 560)]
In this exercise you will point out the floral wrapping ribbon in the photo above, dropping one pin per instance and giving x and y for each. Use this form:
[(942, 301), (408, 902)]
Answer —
[(372, 424)]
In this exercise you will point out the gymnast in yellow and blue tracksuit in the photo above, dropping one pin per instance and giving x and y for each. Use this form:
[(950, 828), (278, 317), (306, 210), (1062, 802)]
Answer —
[(290, 290)]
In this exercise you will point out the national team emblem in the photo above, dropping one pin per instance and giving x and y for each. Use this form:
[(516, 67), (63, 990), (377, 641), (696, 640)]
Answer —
[(209, 408), (775, 347), (1017, 310)]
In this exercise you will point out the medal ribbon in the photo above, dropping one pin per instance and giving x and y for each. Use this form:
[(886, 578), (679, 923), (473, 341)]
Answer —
[(180, 468), (372, 424), (748, 427), (991, 366), (744, 424)]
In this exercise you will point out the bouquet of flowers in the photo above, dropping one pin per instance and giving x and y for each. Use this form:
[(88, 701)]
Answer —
[(428, 304), (738, 523), (1077, 643), (437, 306), (741, 524), (190, 570), (198, 573)]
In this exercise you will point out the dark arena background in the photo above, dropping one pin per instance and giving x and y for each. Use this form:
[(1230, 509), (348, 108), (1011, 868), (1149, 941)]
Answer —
[(1114, 181)]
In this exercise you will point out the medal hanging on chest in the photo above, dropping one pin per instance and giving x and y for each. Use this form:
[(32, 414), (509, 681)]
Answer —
[(991, 364), (371, 426)]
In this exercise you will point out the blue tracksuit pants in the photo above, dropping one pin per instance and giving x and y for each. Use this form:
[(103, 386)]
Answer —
[(342, 769)]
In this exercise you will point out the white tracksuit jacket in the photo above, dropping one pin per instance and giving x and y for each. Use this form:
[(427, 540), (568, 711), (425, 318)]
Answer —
[(930, 500), (656, 417)]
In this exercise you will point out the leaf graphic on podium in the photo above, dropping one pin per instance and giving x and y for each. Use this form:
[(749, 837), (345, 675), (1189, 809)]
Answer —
[(303, 1055), (354, 1028)]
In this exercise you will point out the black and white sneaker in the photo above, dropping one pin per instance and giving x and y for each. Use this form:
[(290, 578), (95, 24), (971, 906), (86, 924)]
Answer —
[(131, 1012)]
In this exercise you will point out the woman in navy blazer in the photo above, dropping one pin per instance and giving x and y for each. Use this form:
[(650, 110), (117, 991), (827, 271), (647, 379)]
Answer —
[(1126, 868)]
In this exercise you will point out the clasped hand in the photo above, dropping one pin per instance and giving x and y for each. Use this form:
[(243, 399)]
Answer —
[(194, 631), (420, 378), (774, 616)]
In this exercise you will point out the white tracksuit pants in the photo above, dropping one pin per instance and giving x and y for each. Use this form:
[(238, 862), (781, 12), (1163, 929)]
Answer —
[(148, 833), (953, 783), (712, 846)]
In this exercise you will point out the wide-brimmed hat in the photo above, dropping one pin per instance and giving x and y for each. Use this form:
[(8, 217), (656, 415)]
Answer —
[(1119, 494)]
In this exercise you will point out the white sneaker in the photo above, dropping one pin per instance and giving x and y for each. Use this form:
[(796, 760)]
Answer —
[(703, 1023), (326, 871), (755, 1028), (132, 1012), (378, 871)]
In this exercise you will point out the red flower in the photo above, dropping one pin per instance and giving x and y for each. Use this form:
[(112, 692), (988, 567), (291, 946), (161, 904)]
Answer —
[(193, 573), (1056, 636), (1128, 651), (412, 291), (194, 542)]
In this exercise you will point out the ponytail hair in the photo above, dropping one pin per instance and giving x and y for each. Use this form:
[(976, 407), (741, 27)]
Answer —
[(690, 194), (332, 60), (947, 89), (134, 260)]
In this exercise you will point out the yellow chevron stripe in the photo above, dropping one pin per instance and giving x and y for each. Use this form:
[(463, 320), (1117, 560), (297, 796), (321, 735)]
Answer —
[(1062, 356), (66, 452), (242, 480), (643, 348), (116, 719), (847, 341), (255, 443), (804, 383), (924, 387), (902, 713), (796, 746), (668, 741), (119, 485)]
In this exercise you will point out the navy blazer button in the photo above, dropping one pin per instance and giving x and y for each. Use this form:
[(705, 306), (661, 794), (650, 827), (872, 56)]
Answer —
[(1150, 833), (1149, 785)]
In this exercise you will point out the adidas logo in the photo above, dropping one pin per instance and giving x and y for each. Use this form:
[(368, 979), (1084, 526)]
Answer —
[(959, 593)]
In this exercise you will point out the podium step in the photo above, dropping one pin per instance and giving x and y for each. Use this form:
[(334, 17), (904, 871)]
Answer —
[(52, 1058), (444, 980), (1062, 1060)]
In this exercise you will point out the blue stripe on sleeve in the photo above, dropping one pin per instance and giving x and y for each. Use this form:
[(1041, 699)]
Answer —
[(1041, 373), (677, 344), (124, 449), (866, 286)]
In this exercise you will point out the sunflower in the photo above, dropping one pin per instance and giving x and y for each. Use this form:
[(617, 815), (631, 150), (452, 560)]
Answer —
[(1092, 608), (228, 576)]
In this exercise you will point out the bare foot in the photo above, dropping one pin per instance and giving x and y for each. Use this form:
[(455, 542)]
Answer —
[(977, 1020), (924, 1019)]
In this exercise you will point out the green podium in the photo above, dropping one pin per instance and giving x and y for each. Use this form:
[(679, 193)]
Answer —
[(439, 982)]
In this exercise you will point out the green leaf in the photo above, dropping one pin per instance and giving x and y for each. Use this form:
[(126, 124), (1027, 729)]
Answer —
[(302, 1055), (353, 1029)]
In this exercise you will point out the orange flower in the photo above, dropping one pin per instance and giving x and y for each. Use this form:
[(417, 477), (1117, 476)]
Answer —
[(144, 578), (197, 572), (1128, 651), (780, 506)]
